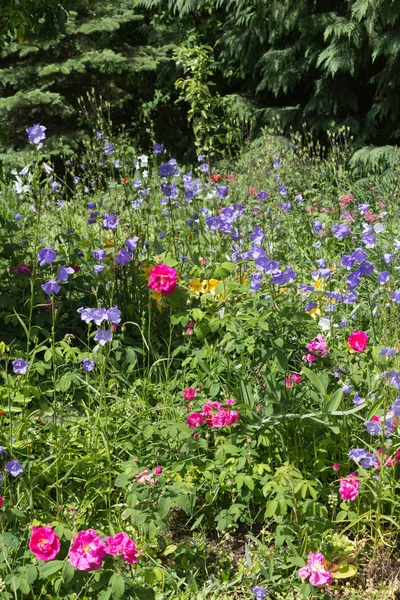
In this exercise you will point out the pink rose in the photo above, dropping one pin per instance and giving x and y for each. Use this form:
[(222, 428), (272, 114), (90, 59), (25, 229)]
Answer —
[(293, 379), (358, 341), (87, 551), (158, 470), (121, 543), (336, 466), (189, 393), (195, 419), (44, 543), (315, 569), (348, 488), (163, 279)]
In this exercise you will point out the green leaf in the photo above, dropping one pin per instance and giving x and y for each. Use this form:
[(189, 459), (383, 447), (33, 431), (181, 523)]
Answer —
[(50, 568), (345, 571), (249, 482), (170, 549), (122, 480), (281, 361), (31, 574), (315, 380), (334, 401), (117, 586)]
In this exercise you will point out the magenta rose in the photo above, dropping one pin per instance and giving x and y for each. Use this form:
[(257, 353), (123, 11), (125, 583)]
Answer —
[(348, 488), (44, 543), (87, 551), (163, 279), (358, 341), (121, 544)]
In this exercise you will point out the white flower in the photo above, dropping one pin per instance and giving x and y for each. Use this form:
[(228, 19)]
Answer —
[(324, 323), (19, 187), (144, 160), (379, 228)]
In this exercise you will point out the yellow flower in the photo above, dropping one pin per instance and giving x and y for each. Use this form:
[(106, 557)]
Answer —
[(146, 268), (156, 295), (319, 284), (210, 285), (349, 348), (196, 286)]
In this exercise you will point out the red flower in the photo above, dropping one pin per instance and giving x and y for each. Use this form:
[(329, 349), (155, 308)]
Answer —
[(358, 341), (216, 177)]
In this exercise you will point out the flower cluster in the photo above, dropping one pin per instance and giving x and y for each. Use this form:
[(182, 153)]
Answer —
[(316, 348), (214, 414), (87, 549)]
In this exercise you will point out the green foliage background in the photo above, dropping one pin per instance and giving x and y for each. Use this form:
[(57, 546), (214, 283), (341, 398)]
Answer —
[(328, 63)]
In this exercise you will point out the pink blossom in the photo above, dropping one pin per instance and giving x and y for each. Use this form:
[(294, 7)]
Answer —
[(1, 501), (336, 466), (158, 470), (163, 279), (358, 341), (145, 477), (121, 543), (195, 419), (315, 569), (318, 346), (189, 393), (348, 488), (293, 379), (87, 551), (44, 543), (310, 358)]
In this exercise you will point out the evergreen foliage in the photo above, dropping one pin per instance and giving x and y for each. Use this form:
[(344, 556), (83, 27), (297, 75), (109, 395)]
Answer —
[(329, 64)]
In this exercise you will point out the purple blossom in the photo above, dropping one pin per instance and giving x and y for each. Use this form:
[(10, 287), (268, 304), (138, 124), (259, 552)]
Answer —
[(396, 407), (373, 427), (317, 226), (340, 231), (357, 400), (259, 591), (282, 189), (255, 281), (359, 255), (347, 389), (204, 167), (221, 190), (114, 315), (92, 218), (388, 258), (17, 216), (99, 254), (131, 243), (64, 273), (108, 148), (14, 468), (98, 268), (396, 296), (51, 287), (387, 352), (20, 366), (257, 235), (262, 195), (98, 315), (36, 133), (310, 306), (87, 365), (383, 277), (363, 208), (46, 256), (103, 336), (365, 268), (123, 257), (286, 206), (321, 262), (158, 148), (110, 222), (369, 240)]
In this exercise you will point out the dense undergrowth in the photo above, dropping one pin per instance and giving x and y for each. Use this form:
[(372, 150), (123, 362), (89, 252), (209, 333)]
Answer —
[(205, 364)]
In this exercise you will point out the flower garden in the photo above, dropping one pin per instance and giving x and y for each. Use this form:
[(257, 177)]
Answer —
[(199, 374)]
